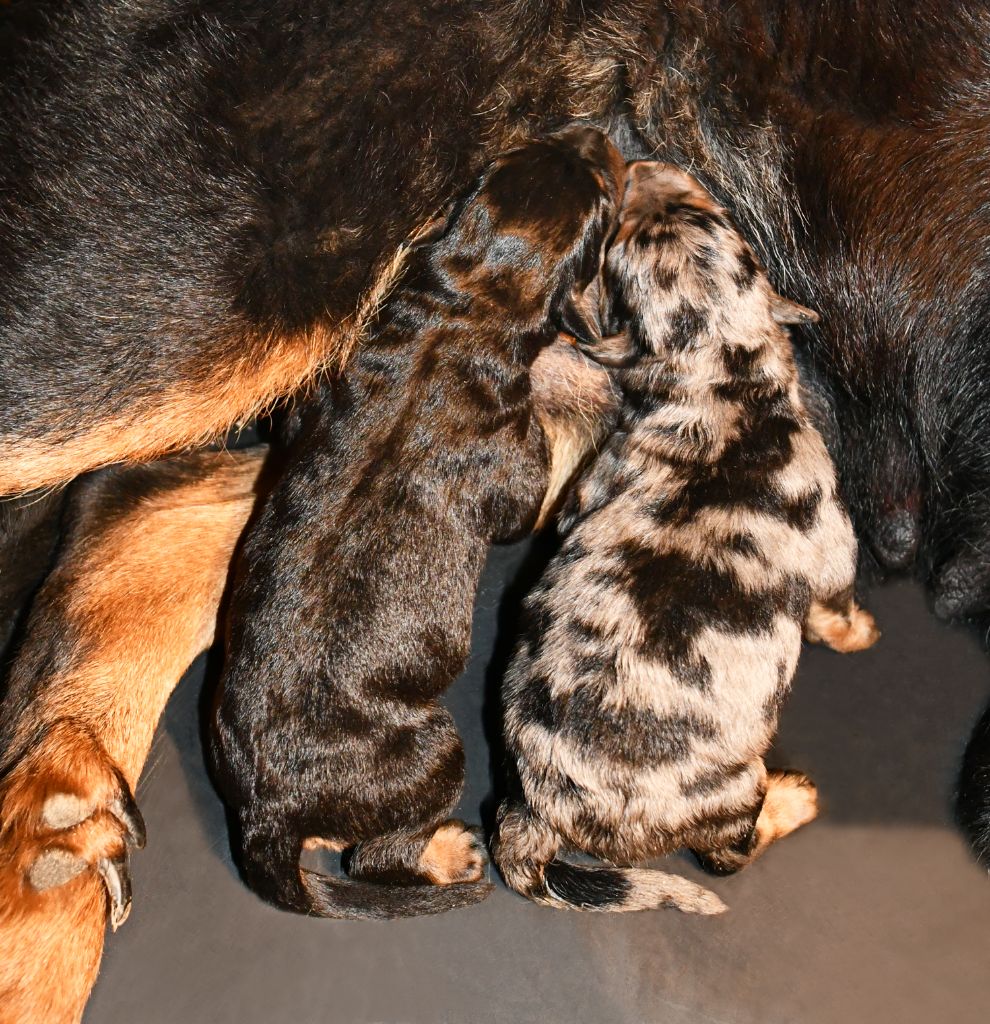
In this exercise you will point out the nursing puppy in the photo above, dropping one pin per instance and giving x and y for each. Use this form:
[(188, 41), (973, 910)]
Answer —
[(336, 738), (663, 637)]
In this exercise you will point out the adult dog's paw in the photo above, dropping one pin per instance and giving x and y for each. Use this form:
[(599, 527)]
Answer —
[(65, 809)]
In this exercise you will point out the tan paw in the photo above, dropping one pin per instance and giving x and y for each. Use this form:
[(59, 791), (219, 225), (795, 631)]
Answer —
[(454, 854), (791, 801), (65, 809), (855, 630)]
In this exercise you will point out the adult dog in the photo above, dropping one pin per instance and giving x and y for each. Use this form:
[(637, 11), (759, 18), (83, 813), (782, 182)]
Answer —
[(201, 203)]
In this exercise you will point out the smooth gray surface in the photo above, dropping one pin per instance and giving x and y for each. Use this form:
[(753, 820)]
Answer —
[(873, 913)]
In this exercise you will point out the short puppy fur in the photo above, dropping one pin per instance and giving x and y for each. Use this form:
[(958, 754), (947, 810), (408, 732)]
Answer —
[(663, 637), (336, 738)]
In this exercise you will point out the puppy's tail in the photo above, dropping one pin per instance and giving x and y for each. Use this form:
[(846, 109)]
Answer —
[(272, 870), (526, 855)]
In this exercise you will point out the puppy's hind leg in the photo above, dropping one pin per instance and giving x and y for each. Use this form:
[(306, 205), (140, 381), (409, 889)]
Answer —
[(840, 623), (446, 855), (523, 849), (526, 851), (790, 801)]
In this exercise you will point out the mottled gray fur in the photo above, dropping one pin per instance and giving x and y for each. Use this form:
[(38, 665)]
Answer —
[(709, 533)]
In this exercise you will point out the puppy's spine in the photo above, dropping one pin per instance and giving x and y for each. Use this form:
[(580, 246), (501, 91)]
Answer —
[(271, 868), (526, 854)]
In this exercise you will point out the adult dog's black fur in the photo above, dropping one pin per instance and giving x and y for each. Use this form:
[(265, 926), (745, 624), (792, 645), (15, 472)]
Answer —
[(425, 452), (198, 196)]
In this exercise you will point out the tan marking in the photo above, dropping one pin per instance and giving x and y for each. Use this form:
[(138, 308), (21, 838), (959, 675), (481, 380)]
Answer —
[(452, 855), (194, 413), (573, 400), (320, 843), (790, 802), (855, 630)]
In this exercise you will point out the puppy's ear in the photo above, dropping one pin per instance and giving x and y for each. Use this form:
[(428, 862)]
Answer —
[(615, 351), (579, 315), (786, 312), (435, 228)]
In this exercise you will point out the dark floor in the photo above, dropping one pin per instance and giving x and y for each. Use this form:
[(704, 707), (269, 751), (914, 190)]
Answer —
[(875, 913)]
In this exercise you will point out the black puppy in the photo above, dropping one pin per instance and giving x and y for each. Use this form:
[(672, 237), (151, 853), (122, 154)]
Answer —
[(334, 737)]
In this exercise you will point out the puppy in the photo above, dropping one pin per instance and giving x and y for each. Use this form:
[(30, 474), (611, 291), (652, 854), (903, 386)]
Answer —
[(338, 739), (659, 645)]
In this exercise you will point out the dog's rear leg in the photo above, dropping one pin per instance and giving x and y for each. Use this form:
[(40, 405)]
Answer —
[(446, 855), (841, 624), (790, 801), (131, 601)]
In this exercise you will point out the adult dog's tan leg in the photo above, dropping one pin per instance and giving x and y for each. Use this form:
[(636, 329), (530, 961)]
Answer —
[(132, 600)]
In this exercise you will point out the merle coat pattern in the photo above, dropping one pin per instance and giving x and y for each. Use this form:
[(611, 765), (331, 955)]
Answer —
[(337, 738), (662, 640)]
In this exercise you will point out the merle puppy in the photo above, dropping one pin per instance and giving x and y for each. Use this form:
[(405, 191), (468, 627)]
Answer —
[(660, 643), (335, 738)]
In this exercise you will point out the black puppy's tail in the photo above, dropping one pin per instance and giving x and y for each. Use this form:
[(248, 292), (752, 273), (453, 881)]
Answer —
[(272, 870), (526, 855)]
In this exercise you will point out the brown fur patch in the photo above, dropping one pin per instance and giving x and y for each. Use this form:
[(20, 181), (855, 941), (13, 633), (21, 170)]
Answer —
[(574, 402), (193, 414), (319, 843), (197, 412)]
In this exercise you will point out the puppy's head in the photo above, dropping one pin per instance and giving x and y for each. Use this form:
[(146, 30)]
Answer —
[(677, 263), (532, 231)]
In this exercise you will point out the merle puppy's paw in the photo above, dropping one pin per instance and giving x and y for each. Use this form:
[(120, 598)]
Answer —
[(65, 809)]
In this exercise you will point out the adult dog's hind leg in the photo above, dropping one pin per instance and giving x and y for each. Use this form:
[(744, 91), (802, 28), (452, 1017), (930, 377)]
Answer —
[(132, 599)]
